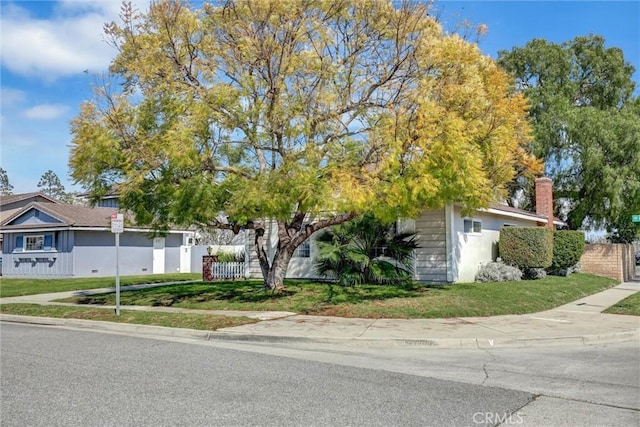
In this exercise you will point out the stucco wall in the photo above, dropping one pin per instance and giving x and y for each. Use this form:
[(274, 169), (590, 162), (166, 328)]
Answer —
[(473, 250), (616, 261)]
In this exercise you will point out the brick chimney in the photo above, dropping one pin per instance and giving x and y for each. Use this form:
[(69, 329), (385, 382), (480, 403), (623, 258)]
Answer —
[(544, 199)]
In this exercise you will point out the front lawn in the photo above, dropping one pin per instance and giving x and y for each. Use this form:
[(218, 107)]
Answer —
[(207, 322), (629, 305), (10, 287), (414, 301)]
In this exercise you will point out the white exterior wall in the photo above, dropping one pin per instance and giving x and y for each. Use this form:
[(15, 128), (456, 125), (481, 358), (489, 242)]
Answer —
[(473, 250)]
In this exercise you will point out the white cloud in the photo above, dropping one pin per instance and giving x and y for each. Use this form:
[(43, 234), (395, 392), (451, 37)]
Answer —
[(11, 97), (67, 43), (46, 112)]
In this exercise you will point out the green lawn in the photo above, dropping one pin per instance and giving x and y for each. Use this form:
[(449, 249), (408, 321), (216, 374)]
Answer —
[(206, 322), (415, 301), (629, 305), (18, 287)]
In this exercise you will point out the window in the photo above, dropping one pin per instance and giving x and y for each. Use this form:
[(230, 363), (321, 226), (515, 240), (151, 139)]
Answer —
[(35, 243), (472, 226), (303, 251)]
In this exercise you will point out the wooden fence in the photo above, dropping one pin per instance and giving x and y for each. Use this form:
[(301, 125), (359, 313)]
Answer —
[(227, 270)]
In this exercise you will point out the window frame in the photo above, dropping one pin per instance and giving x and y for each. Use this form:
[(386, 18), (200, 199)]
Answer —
[(23, 242), (303, 251), (472, 231)]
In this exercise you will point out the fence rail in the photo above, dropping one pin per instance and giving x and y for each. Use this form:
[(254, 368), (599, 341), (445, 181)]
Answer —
[(227, 270)]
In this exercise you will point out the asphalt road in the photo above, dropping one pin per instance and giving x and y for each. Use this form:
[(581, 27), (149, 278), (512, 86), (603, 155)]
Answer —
[(53, 376), (61, 377)]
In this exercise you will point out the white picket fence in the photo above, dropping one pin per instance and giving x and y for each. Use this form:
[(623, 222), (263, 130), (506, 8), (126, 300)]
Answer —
[(227, 270)]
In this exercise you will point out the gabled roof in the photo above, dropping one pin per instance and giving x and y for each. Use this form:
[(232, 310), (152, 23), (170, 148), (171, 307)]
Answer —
[(5, 200), (68, 215), (71, 216)]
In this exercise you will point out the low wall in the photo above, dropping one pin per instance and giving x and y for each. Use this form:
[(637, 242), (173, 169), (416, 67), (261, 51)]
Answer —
[(616, 261)]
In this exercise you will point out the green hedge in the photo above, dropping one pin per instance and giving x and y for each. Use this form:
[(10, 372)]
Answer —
[(526, 247), (568, 247)]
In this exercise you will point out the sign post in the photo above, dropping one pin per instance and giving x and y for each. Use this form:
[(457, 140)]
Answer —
[(635, 218), (117, 227)]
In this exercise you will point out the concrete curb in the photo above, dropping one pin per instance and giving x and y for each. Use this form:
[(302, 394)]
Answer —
[(222, 336)]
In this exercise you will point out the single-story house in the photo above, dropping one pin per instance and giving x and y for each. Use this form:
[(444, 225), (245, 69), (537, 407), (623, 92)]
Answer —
[(63, 240), (452, 246), (12, 203)]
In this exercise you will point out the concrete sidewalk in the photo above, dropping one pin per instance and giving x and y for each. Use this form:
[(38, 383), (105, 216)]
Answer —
[(579, 322)]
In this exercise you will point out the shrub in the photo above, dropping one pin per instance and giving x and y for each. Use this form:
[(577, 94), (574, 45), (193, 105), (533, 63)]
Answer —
[(534, 273), (365, 250), (230, 257), (568, 247), (498, 272), (526, 247)]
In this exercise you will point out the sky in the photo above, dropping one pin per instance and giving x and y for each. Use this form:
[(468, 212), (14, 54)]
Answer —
[(51, 53)]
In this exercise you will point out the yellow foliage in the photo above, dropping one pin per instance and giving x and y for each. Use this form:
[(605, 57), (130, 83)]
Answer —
[(265, 108)]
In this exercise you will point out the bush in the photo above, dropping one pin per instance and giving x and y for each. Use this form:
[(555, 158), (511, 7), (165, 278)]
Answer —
[(568, 247), (230, 257), (526, 247), (498, 272), (534, 273)]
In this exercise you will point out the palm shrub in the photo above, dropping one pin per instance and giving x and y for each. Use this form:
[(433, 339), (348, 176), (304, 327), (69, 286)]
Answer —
[(364, 250)]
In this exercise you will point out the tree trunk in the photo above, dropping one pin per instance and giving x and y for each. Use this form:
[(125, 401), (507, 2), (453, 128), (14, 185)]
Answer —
[(263, 257), (290, 236), (275, 278)]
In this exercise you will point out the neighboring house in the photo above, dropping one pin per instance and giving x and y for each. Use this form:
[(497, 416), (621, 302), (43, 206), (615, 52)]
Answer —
[(9, 205), (452, 246), (14, 202), (62, 240)]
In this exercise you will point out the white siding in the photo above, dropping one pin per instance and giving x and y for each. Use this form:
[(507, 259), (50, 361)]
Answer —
[(431, 256)]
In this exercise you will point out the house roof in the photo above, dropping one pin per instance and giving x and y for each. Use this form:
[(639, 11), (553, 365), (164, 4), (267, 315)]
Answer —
[(13, 203), (12, 198), (507, 210), (68, 215), (75, 216)]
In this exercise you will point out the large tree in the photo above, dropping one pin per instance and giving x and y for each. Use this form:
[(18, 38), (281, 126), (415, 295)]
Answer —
[(51, 185), (305, 112), (586, 124)]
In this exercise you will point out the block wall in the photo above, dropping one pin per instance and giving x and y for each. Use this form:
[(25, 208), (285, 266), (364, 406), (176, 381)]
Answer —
[(616, 261)]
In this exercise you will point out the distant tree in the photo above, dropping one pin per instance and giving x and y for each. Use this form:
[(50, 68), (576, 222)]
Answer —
[(73, 198), (50, 185), (6, 189), (310, 113), (586, 124)]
